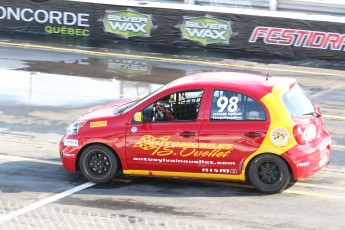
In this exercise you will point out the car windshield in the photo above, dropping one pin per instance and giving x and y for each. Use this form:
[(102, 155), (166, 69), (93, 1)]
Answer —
[(298, 103)]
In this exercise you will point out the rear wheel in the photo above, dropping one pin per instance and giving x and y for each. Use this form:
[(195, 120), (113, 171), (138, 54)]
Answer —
[(98, 164), (269, 173)]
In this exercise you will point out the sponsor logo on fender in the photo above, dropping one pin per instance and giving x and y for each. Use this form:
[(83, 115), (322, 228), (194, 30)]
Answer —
[(206, 30), (127, 23), (68, 155), (97, 124), (70, 142), (303, 165), (279, 136), (163, 147), (298, 38)]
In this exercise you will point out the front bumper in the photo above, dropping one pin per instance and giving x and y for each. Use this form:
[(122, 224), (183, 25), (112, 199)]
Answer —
[(69, 153)]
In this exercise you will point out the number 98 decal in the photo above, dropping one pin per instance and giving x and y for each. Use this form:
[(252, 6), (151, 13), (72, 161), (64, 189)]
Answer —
[(230, 104)]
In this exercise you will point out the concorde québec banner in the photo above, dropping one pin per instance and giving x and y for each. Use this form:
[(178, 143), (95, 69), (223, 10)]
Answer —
[(78, 21)]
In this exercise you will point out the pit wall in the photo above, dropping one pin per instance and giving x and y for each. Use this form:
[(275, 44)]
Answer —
[(247, 31)]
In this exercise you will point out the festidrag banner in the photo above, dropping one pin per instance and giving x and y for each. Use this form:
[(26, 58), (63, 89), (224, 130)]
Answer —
[(88, 22)]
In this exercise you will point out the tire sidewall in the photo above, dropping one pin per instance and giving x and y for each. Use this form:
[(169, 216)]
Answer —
[(88, 173), (260, 185)]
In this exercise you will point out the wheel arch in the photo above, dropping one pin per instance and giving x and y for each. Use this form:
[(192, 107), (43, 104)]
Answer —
[(252, 159), (98, 143)]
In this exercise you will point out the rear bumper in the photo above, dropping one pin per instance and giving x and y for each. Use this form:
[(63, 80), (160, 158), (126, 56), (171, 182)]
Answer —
[(306, 160)]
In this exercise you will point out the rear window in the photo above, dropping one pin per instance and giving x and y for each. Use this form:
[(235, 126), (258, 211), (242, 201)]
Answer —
[(297, 102)]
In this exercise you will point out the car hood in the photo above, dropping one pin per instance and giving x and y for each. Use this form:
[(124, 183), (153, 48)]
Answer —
[(104, 111)]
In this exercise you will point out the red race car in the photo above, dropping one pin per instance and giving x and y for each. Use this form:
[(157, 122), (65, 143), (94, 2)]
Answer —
[(213, 125)]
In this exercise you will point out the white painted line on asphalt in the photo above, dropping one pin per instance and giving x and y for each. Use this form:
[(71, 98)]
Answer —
[(302, 184), (17, 158), (338, 147), (31, 141), (334, 117), (291, 191), (44, 202)]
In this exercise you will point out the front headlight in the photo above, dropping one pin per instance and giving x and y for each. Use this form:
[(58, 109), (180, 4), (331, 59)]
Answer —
[(75, 127)]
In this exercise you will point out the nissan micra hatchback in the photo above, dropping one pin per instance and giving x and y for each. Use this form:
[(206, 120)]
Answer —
[(212, 125)]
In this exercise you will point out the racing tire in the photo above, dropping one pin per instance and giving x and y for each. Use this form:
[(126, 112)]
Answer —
[(269, 173), (98, 164)]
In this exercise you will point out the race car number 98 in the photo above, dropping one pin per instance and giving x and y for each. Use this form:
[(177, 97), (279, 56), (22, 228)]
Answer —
[(224, 102)]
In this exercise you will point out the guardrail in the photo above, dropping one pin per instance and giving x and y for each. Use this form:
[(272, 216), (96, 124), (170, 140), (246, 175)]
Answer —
[(240, 30)]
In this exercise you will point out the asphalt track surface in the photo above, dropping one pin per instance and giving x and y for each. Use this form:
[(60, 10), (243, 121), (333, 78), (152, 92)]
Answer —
[(43, 88)]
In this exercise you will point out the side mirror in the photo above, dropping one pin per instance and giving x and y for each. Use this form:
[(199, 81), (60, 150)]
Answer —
[(138, 117)]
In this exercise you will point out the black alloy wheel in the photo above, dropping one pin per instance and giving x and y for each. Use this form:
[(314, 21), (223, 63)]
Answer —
[(98, 164), (269, 173)]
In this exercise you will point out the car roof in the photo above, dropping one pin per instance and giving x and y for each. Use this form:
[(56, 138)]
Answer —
[(219, 79)]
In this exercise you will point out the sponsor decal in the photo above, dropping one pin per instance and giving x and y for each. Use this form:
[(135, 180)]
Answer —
[(70, 142), (134, 129), (127, 23), (206, 30), (68, 155), (130, 67), (303, 164), (254, 114), (163, 147), (279, 136), (56, 22), (97, 124), (166, 160), (227, 109), (323, 161), (298, 38), (215, 170), (309, 132)]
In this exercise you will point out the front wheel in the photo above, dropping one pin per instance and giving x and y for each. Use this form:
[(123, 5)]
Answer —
[(269, 173), (98, 164)]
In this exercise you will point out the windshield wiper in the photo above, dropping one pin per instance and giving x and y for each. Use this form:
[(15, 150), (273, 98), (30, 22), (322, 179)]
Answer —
[(314, 113)]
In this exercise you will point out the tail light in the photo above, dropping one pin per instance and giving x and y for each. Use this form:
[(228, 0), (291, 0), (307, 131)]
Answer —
[(298, 134)]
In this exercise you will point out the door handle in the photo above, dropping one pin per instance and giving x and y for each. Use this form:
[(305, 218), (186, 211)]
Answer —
[(187, 134), (253, 134)]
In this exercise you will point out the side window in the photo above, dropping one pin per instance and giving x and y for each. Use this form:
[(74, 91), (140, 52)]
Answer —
[(228, 105), (179, 106)]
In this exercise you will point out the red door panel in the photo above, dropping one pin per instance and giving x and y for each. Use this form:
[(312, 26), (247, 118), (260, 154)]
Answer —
[(232, 142), (163, 146), (236, 125), (167, 143)]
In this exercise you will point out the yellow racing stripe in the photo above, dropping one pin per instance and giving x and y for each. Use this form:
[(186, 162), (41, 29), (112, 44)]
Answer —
[(183, 174)]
